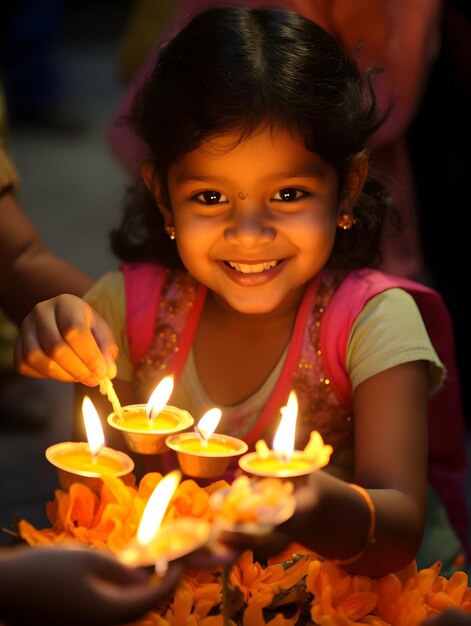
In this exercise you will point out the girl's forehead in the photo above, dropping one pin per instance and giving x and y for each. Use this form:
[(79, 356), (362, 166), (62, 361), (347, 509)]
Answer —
[(264, 153), (265, 133)]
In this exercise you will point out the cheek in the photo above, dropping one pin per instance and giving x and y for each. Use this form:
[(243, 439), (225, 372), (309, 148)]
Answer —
[(194, 240), (315, 230)]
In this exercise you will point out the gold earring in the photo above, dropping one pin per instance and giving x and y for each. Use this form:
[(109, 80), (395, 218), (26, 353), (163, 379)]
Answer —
[(170, 230), (346, 221)]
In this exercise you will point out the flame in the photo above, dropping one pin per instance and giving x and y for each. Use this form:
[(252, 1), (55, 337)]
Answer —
[(208, 423), (93, 428), (159, 397), (157, 506), (283, 443)]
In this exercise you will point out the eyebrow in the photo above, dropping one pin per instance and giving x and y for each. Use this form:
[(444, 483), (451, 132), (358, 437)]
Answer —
[(311, 171)]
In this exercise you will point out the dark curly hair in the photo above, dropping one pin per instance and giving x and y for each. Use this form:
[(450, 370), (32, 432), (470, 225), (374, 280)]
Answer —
[(237, 68)]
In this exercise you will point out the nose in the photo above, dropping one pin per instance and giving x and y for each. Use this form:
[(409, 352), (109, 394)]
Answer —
[(249, 228)]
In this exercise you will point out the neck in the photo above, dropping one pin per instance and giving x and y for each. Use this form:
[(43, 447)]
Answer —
[(284, 314)]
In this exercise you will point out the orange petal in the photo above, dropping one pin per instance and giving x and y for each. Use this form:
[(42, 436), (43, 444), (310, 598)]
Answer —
[(456, 586), (440, 601), (359, 604)]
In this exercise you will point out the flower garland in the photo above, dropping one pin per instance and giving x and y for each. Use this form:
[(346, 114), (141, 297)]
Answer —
[(292, 589)]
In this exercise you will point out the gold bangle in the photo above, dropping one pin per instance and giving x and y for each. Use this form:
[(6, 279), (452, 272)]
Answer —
[(370, 539)]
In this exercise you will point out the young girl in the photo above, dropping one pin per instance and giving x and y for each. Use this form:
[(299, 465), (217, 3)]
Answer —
[(245, 275)]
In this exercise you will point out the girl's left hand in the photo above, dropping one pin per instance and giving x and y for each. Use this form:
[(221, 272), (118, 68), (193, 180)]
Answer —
[(65, 339)]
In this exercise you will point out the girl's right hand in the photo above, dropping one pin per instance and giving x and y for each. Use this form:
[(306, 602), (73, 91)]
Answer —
[(65, 339)]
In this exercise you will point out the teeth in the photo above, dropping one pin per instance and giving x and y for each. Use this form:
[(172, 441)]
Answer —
[(254, 268)]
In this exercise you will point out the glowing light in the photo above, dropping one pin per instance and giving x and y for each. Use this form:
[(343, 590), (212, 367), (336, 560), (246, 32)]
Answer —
[(159, 397), (208, 423), (156, 507), (283, 443), (93, 428)]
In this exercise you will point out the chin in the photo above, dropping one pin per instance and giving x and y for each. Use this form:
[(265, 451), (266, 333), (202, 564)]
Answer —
[(253, 307)]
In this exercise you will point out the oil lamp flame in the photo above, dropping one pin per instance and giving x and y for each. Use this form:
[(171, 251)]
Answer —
[(283, 443), (159, 397), (93, 428), (156, 507), (208, 423)]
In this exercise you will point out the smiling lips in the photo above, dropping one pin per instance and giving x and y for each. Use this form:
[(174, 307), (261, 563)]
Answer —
[(252, 268)]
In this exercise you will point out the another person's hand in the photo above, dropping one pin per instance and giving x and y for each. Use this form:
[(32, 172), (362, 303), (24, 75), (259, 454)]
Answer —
[(65, 339), (450, 617), (74, 586)]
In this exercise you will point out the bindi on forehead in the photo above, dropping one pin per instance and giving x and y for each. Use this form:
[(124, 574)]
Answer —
[(242, 195)]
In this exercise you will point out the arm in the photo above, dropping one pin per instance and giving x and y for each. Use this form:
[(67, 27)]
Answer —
[(29, 271), (391, 462), (76, 586)]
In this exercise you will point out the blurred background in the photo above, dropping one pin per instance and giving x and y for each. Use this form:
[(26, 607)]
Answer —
[(77, 58)]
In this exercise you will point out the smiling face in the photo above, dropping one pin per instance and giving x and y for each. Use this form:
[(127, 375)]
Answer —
[(254, 220)]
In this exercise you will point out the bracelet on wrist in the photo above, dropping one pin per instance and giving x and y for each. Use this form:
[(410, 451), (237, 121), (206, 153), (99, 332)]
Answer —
[(370, 539)]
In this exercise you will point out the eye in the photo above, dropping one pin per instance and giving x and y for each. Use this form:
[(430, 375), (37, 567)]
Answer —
[(210, 197), (289, 194)]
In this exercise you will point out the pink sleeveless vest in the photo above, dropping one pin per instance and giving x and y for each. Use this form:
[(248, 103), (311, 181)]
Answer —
[(162, 312)]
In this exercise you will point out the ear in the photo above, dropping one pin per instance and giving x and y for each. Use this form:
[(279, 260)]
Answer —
[(354, 181), (152, 182)]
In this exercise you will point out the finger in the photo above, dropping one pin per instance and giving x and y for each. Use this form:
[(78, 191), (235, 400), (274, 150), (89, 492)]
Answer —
[(30, 360), (264, 545), (89, 336), (132, 599), (75, 320), (216, 554), (82, 341), (106, 342), (44, 349)]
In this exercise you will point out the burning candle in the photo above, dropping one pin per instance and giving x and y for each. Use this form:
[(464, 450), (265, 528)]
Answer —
[(283, 460), (204, 453), (77, 461), (145, 426), (157, 543)]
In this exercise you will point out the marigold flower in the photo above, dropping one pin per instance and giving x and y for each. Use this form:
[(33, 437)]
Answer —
[(110, 519), (256, 582), (338, 594)]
